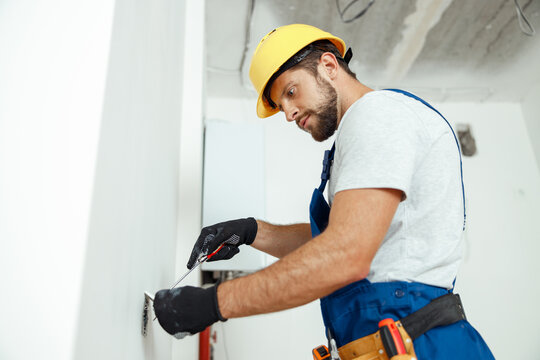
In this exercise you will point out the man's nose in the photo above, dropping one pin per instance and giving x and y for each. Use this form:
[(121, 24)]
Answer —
[(291, 113)]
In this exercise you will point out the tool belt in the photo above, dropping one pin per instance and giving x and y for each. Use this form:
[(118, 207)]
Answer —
[(442, 311)]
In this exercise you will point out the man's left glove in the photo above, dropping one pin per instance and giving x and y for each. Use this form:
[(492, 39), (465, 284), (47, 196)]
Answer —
[(231, 233), (187, 310)]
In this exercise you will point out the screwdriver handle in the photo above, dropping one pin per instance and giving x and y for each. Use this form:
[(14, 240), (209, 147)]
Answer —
[(216, 251)]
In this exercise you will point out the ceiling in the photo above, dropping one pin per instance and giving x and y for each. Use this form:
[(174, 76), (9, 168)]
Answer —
[(447, 50)]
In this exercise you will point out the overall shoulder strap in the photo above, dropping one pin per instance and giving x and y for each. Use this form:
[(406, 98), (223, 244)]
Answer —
[(327, 164), (406, 93)]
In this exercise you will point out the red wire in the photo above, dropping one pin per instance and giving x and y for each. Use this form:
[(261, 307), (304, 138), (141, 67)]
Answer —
[(215, 252)]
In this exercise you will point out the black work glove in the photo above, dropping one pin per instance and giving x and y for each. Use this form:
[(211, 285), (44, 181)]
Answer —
[(234, 233), (187, 310)]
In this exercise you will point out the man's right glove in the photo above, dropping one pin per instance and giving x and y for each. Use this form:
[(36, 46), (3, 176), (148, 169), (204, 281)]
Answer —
[(234, 233), (187, 310)]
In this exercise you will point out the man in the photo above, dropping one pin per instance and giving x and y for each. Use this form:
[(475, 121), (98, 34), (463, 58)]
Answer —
[(391, 242)]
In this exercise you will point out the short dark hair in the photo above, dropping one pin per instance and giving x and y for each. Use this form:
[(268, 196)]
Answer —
[(308, 58)]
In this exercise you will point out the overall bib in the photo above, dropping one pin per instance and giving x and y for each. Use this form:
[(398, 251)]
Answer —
[(355, 310)]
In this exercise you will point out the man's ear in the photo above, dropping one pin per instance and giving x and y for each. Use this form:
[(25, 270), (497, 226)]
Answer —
[(329, 64)]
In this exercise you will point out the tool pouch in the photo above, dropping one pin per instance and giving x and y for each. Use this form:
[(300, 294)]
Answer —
[(442, 311), (371, 347)]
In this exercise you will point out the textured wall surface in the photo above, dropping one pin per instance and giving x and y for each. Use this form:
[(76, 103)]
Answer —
[(447, 50)]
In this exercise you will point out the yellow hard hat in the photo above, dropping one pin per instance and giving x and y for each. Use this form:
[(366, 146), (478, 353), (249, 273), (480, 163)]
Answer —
[(275, 49)]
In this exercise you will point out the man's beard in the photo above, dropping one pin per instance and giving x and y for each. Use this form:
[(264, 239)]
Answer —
[(327, 116)]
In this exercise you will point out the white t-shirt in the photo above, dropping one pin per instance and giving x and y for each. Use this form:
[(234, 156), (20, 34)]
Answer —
[(389, 140)]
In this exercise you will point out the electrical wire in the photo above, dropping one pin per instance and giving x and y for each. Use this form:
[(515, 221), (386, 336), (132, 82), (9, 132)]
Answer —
[(358, 15), (524, 24)]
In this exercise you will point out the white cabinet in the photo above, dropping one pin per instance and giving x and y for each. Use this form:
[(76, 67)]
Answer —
[(234, 184)]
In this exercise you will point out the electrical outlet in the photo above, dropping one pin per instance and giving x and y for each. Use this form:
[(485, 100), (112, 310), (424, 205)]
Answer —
[(145, 316)]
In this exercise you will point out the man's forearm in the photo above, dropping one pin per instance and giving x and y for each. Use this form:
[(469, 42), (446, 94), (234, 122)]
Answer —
[(280, 240), (310, 272)]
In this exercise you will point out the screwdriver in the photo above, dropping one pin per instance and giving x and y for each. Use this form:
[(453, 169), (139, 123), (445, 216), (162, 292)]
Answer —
[(200, 260)]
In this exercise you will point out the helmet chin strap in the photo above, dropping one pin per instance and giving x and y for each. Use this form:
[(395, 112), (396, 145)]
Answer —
[(348, 56)]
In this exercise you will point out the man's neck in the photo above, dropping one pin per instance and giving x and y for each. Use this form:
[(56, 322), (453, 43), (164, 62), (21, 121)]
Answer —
[(351, 91)]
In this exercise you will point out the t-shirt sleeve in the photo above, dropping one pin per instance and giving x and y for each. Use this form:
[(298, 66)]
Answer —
[(379, 146)]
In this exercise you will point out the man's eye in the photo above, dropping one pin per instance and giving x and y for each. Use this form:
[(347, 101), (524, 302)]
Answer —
[(290, 92)]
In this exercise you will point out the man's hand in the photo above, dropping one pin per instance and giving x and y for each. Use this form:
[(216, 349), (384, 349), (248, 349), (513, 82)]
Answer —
[(187, 310), (234, 233)]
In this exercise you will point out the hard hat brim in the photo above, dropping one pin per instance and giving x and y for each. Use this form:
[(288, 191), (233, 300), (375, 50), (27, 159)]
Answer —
[(264, 110)]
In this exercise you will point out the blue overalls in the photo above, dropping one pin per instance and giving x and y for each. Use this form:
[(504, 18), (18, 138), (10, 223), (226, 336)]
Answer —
[(355, 310)]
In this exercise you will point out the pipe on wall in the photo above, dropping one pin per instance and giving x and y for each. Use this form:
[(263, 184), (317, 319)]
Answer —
[(204, 344)]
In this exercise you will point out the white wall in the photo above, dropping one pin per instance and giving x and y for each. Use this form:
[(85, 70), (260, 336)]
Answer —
[(53, 73), (503, 201), (497, 277), (191, 156), (90, 109), (531, 113), (133, 224)]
